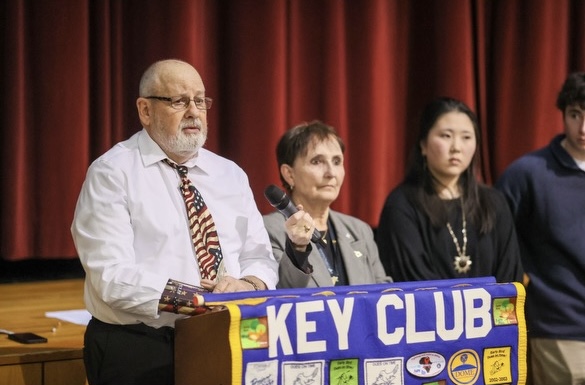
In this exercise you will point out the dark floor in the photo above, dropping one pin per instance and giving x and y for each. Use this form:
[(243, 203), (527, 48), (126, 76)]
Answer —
[(39, 270)]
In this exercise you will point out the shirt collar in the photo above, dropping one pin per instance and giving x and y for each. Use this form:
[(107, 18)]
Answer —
[(561, 154)]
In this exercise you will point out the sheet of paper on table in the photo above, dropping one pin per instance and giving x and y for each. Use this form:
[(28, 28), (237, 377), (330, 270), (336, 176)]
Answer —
[(79, 316)]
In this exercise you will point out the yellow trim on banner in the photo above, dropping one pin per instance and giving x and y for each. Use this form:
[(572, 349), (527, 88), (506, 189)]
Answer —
[(242, 301), (522, 337), (235, 343)]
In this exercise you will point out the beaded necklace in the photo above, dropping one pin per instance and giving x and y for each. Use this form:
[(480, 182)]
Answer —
[(461, 262)]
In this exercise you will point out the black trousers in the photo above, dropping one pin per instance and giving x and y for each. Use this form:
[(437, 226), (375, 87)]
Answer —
[(128, 354)]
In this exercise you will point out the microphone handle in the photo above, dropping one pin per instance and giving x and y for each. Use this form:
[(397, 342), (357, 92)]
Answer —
[(317, 237)]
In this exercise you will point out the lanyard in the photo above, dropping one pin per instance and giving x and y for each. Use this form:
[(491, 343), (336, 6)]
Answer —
[(329, 254)]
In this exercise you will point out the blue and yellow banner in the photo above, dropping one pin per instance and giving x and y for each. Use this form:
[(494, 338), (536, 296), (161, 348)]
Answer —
[(459, 332)]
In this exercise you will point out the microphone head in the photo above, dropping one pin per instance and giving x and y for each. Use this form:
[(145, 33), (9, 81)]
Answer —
[(276, 197)]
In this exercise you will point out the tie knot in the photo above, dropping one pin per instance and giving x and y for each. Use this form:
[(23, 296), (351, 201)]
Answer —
[(182, 170)]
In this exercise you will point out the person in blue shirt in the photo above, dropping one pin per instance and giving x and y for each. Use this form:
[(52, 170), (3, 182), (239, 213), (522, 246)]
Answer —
[(546, 193)]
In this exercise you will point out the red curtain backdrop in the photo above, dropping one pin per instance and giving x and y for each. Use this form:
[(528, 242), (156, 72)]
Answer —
[(70, 72)]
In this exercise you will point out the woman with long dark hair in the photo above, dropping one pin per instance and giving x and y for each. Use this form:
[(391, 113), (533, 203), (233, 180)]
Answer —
[(441, 222)]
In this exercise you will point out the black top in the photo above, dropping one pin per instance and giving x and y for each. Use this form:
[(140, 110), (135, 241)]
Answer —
[(411, 249)]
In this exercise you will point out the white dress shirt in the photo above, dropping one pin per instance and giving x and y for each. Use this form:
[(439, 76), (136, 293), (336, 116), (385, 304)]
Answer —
[(132, 233)]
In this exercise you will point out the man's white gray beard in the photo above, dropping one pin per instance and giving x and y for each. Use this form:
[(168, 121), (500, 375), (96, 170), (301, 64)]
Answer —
[(183, 143), (186, 143)]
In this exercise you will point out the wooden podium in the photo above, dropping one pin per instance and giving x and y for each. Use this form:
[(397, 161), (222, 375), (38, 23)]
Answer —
[(202, 349)]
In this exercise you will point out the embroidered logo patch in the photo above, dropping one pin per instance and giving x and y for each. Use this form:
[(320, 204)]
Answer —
[(497, 365), (424, 365), (505, 311), (254, 333), (464, 367), (343, 372)]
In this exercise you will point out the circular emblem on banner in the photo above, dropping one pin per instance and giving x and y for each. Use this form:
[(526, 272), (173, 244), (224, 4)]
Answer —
[(464, 367), (425, 365)]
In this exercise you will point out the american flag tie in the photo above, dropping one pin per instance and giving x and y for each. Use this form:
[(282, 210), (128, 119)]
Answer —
[(203, 232)]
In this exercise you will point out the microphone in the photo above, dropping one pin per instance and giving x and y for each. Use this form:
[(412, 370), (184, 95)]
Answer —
[(280, 201)]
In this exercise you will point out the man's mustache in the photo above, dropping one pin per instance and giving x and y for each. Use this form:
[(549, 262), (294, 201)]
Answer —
[(191, 123)]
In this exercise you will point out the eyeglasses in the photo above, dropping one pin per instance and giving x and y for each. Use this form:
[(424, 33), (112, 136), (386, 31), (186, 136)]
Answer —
[(183, 102)]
